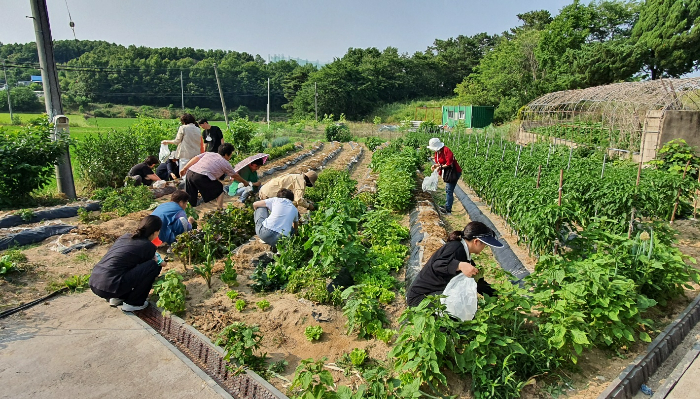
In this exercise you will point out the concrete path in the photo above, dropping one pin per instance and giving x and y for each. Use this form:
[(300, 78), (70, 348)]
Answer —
[(686, 385), (76, 346)]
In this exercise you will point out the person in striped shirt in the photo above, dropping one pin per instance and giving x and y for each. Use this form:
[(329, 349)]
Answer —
[(203, 173)]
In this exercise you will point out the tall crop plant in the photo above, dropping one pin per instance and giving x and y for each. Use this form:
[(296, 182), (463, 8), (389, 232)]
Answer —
[(104, 159), (28, 158)]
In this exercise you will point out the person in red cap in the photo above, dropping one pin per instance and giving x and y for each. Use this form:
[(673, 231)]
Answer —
[(448, 168), (452, 259)]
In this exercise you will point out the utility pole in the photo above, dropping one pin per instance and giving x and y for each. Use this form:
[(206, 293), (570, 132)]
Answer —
[(316, 100), (221, 94), (7, 88), (182, 91), (268, 103), (52, 93)]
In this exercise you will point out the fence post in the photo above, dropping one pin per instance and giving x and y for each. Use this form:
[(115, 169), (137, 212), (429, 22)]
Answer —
[(518, 162), (605, 156)]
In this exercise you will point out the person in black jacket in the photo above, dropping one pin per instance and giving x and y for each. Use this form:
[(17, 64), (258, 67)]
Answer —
[(169, 170), (127, 272), (452, 259)]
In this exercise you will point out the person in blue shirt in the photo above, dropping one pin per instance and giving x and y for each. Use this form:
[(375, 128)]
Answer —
[(172, 213)]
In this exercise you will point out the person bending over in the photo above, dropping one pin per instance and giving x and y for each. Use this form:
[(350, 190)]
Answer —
[(142, 173), (297, 183), (203, 172), (452, 259), (127, 272), (275, 217), (172, 213)]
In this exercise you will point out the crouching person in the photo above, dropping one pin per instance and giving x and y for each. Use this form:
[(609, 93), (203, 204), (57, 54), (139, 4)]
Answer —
[(127, 272), (172, 213), (275, 217)]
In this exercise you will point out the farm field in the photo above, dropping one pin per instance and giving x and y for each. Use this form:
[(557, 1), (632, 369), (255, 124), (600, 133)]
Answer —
[(363, 224)]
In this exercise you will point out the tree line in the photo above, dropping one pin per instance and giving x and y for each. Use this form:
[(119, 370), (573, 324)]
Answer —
[(584, 45)]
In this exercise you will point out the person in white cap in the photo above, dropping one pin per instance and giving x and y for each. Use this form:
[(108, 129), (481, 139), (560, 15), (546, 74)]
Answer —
[(448, 168), (452, 259)]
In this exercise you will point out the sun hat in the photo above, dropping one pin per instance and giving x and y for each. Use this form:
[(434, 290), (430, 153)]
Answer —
[(489, 239), (435, 144), (312, 175)]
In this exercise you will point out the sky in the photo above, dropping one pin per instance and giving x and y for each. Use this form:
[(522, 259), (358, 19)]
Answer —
[(305, 29)]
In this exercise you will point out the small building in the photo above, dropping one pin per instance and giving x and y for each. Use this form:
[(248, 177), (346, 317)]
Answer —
[(36, 79), (471, 116)]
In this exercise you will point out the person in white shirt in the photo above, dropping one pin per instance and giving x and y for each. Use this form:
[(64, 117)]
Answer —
[(188, 140), (276, 217)]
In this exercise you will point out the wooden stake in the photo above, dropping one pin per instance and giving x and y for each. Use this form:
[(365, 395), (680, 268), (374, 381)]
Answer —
[(518, 162), (539, 172)]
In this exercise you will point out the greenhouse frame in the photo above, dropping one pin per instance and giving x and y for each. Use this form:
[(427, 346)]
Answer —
[(636, 118)]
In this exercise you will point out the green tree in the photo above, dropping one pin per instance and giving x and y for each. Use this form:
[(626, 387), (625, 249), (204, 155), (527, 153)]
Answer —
[(23, 99), (667, 37)]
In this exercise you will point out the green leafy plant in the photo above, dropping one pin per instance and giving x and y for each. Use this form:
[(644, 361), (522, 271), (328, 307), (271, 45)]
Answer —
[(365, 316), (171, 292), (7, 266), (338, 132), (26, 214), (312, 381), (205, 270), (240, 305), (77, 283), (229, 275), (263, 305), (358, 356), (241, 342), (313, 333), (29, 157), (232, 294), (278, 366), (124, 200)]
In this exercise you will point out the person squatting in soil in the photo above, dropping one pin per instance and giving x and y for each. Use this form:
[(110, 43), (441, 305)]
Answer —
[(250, 174), (127, 272), (169, 170), (142, 173), (203, 173), (173, 216), (448, 168), (276, 217), (452, 259)]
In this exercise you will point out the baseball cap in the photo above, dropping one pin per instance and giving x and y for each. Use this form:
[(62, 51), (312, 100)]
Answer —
[(489, 239)]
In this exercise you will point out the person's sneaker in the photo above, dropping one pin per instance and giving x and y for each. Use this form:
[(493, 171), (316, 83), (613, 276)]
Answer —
[(442, 209), (113, 302), (130, 308)]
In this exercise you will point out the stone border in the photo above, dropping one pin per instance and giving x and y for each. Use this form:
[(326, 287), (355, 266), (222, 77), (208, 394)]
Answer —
[(208, 357), (678, 372), (628, 383)]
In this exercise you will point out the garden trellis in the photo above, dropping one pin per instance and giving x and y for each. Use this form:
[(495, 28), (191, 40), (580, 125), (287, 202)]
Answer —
[(627, 116)]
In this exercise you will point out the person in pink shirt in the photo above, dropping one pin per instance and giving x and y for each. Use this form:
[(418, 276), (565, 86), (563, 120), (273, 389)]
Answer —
[(203, 173)]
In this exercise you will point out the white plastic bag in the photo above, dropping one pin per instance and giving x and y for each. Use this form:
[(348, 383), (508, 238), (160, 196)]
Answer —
[(430, 183), (159, 184), (461, 300), (164, 153)]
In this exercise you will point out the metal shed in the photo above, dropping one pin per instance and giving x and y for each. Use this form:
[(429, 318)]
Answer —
[(471, 116)]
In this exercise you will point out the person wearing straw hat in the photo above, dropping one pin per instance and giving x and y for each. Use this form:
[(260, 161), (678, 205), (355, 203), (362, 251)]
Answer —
[(297, 183), (448, 168), (452, 259)]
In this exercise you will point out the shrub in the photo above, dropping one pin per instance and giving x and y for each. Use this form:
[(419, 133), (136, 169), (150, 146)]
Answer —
[(373, 142), (104, 159), (240, 133), (338, 132), (124, 200), (28, 160), (23, 99)]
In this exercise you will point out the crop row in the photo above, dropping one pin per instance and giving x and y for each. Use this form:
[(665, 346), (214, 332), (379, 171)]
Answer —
[(506, 176)]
